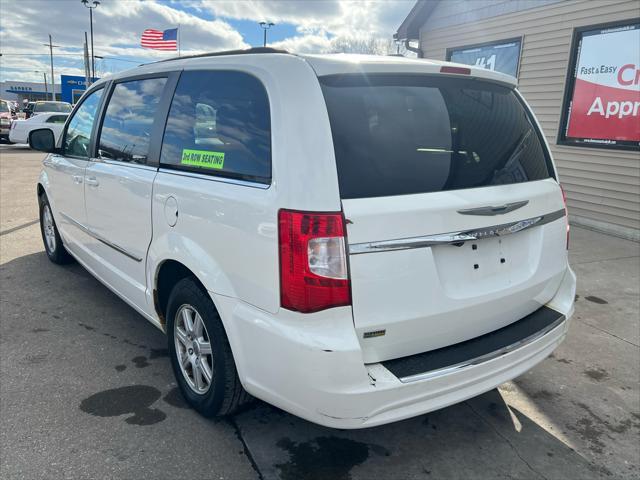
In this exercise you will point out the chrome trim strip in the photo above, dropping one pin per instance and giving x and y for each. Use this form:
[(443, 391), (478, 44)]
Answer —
[(454, 237), (484, 358), (491, 210), (118, 163), (213, 178), (88, 231)]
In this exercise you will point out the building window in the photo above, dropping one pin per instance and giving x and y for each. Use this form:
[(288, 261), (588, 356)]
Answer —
[(502, 56), (601, 106)]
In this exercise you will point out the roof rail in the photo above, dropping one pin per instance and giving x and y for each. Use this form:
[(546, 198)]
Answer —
[(226, 52)]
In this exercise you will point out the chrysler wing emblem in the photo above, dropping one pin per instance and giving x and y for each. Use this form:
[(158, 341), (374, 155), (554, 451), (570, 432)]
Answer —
[(491, 210)]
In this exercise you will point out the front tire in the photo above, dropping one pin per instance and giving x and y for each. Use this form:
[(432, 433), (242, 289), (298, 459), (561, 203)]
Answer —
[(53, 246), (200, 354)]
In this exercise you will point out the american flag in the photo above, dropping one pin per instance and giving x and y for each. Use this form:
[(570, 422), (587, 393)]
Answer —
[(160, 40)]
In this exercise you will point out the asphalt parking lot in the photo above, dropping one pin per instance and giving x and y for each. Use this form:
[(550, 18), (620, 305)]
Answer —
[(86, 389)]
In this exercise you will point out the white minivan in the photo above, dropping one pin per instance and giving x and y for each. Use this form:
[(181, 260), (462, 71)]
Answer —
[(354, 239)]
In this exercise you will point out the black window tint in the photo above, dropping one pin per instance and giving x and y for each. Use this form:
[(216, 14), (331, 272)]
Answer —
[(57, 119), (128, 121), (396, 135), (219, 123), (78, 135)]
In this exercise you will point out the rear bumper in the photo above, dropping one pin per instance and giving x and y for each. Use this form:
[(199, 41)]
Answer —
[(312, 365), (16, 137)]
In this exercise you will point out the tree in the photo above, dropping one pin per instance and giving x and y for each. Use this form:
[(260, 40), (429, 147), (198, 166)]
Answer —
[(368, 46)]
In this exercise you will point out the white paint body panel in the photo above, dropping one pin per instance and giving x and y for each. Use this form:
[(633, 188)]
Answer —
[(214, 218), (428, 298), (66, 195), (312, 365), (118, 211), (317, 365), (20, 129)]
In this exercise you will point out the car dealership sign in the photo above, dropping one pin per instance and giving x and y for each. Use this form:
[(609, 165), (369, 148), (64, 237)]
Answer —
[(604, 101)]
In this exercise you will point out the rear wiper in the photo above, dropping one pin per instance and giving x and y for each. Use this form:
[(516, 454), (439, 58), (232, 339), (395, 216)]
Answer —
[(515, 154)]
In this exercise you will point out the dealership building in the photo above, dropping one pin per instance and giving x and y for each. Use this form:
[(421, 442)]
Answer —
[(30, 91), (68, 88), (578, 65)]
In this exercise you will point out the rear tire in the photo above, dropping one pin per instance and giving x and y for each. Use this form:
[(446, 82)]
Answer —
[(200, 354), (53, 246)]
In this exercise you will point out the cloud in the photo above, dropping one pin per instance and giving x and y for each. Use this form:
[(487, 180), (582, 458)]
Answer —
[(312, 43), (205, 26), (348, 18), (118, 26), (294, 12), (318, 23)]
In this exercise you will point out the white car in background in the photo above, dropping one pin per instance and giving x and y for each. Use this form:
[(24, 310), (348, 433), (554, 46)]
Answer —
[(20, 129), (36, 108)]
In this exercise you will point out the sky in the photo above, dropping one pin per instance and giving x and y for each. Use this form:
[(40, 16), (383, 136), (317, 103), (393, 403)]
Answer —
[(301, 26)]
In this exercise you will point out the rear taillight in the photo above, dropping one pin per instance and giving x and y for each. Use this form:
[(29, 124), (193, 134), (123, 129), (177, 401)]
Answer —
[(566, 213), (313, 261)]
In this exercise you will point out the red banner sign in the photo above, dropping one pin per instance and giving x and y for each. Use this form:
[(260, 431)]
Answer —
[(605, 101)]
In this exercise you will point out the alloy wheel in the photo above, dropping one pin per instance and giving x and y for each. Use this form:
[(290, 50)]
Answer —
[(193, 349), (49, 229)]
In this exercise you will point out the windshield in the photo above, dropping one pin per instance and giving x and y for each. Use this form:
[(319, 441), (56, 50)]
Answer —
[(52, 107), (405, 134), (4, 106)]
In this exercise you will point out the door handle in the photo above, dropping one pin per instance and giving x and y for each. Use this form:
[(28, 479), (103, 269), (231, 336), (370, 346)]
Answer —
[(91, 181), (77, 179)]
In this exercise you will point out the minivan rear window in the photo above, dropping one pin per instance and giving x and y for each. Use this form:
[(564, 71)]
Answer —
[(52, 107), (407, 134)]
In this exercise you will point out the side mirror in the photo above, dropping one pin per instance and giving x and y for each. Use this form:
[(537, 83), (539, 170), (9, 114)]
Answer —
[(42, 139)]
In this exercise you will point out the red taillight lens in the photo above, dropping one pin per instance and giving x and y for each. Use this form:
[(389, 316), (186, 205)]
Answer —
[(313, 261), (458, 70), (566, 213)]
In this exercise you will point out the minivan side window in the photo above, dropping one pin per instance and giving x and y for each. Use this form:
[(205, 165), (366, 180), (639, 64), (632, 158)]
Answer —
[(219, 124), (128, 121), (78, 135)]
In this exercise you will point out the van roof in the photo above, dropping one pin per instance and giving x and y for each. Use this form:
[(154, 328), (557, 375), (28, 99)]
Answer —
[(339, 63), (329, 64)]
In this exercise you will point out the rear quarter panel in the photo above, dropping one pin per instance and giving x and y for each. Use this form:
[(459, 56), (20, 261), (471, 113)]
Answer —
[(226, 232)]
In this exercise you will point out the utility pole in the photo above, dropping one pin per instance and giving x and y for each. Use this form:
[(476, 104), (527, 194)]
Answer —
[(266, 26), (87, 70), (44, 75), (95, 5), (99, 57), (53, 79)]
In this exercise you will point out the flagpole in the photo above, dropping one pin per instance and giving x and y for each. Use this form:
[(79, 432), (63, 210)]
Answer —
[(178, 39)]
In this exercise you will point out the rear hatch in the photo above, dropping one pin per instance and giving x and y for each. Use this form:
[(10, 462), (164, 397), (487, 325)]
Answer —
[(455, 222)]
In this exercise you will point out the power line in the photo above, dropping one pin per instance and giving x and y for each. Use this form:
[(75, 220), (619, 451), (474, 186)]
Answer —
[(105, 57), (29, 69), (38, 54)]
